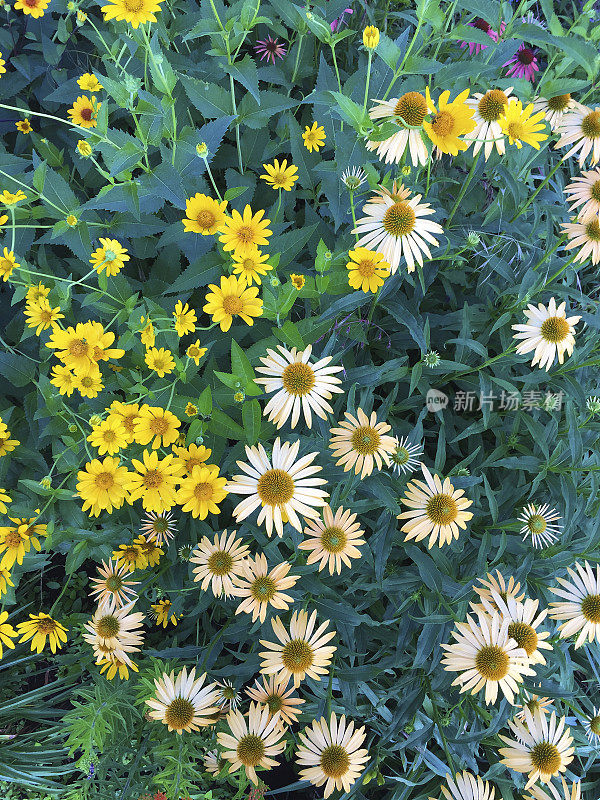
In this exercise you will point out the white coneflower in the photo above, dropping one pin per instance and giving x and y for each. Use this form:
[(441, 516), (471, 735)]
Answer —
[(362, 443), (408, 112), (228, 695), (353, 178), (572, 793), (548, 331), (111, 588), (592, 726), (219, 562), (333, 540), (466, 786), (251, 741), (534, 703), (159, 528), (523, 624), (593, 405), (539, 524), (273, 693), (555, 108), (488, 108), (183, 703), (261, 587), (580, 606), (584, 194), (213, 762), (584, 234), (496, 583), (580, 130), (405, 458)]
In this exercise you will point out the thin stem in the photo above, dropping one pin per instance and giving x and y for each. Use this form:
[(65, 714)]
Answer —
[(537, 191), (12, 232), (63, 590), (212, 180), (367, 81), (300, 38)]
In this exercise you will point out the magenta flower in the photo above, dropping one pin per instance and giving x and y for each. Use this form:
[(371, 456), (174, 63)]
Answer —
[(484, 26), (523, 64), (270, 48), (339, 21)]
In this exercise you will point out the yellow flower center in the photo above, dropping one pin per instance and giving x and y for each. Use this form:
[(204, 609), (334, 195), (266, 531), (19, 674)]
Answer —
[(533, 705), (45, 315), (232, 304), (104, 480), (87, 382), (412, 108), (554, 329), (443, 123), (595, 191), (297, 655), (160, 362), (536, 523), (298, 379), (250, 750), (441, 509), (274, 703), (78, 348), (559, 103), (365, 440), (205, 219), (524, 635), (109, 435), (114, 583), (592, 230), (6, 265), (275, 487), (159, 426), (203, 491), (46, 625), (190, 463), (129, 422), (545, 757), (13, 538), (595, 725), (263, 589), (334, 761), (193, 351), (220, 563), (590, 608), (333, 539), (179, 713), (131, 553), (492, 662), (516, 129), (492, 104), (245, 234), (366, 267), (152, 479), (399, 220), (108, 626), (590, 125)]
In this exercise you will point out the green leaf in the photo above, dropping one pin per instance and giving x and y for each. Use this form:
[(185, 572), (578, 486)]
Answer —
[(240, 365), (245, 73), (205, 403), (251, 417), (222, 425), (17, 370)]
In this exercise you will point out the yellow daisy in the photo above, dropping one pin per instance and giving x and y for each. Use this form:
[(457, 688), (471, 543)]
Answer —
[(160, 360), (5, 580), (135, 12), (40, 627), (10, 199), (150, 548), (367, 270), (41, 316), (4, 500), (297, 280), (201, 491), (204, 215), (111, 257), (314, 137), (157, 425), (362, 443), (244, 232), (195, 352), (163, 613), (88, 82), (102, 485), (522, 125), (280, 176), (63, 379), (219, 562), (24, 126), (147, 335), (130, 557), (109, 436), (7, 633), (84, 112), (90, 384), (7, 445), (16, 539), (154, 481), (8, 263), (126, 414), (185, 319), (190, 457), (232, 299), (114, 666), (35, 8), (252, 266), (449, 122), (251, 742)]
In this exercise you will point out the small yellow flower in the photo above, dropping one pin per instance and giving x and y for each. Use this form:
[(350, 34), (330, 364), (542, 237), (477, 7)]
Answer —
[(251, 266), (195, 352), (40, 627), (147, 334), (111, 257), (521, 125), (9, 199), (72, 220), (202, 149), (314, 137), (81, 18), (297, 280), (84, 148), (280, 176), (162, 612), (239, 397), (24, 126), (232, 299), (243, 233), (84, 112), (161, 361), (34, 7), (367, 270), (5, 499), (2, 63), (204, 215), (41, 316), (185, 319), (191, 410), (7, 264), (371, 37), (89, 82)]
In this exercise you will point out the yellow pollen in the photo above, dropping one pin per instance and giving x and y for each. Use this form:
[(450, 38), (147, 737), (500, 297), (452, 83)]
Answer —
[(104, 480), (559, 103), (441, 509), (205, 219), (554, 329), (365, 440), (536, 523), (245, 234), (590, 125), (159, 426), (298, 379), (220, 563), (108, 627), (334, 761), (399, 220), (203, 491), (515, 130), (263, 589), (366, 267), (297, 655), (250, 750), (590, 608), (232, 304), (412, 108), (592, 230), (492, 105), (78, 347), (443, 123), (152, 479), (545, 757), (524, 635), (492, 662), (275, 487), (109, 435), (179, 713), (333, 539)]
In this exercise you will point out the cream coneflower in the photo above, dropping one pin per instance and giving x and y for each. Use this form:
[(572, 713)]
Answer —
[(580, 606), (488, 108), (261, 587), (555, 108), (283, 486), (592, 726), (229, 697), (333, 540), (408, 112), (301, 652), (405, 457), (542, 749), (111, 588), (251, 742), (584, 234), (397, 228), (332, 753), (159, 528), (183, 703), (539, 523), (523, 624), (466, 786), (219, 562), (548, 331), (116, 625), (438, 510), (534, 703), (572, 793), (299, 385), (580, 130), (362, 443), (486, 657), (496, 583), (273, 693), (584, 194), (213, 762)]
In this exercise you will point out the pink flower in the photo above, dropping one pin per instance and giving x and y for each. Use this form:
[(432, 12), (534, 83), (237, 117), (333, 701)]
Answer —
[(484, 26), (270, 48), (339, 21), (523, 64)]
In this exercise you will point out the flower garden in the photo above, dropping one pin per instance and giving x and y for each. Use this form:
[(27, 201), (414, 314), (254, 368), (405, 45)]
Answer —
[(300, 405)]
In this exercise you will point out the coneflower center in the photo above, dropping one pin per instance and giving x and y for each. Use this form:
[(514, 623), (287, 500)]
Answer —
[(525, 56), (114, 583), (554, 329), (481, 25), (536, 523), (250, 750), (590, 608), (108, 626), (78, 347), (104, 480), (220, 563), (275, 487), (160, 525), (152, 479), (524, 635), (46, 625), (412, 108), (297, 655), (179, 713), (365, 440), (205, 219), (333, 539), (533, 705), (492, 104), (399, 220), (443, 123), (595, 725), (592, 230), (274, 703), (559, 103), (492, 662), (203, 491), (298, 378), (232, 304), (545, 757), (263, 588), (595, 191), (590, 125), (401, 456), (441, 509), (334, 761), (159, 426)]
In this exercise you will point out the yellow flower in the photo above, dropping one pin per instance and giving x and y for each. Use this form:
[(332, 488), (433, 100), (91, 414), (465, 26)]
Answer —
[(63, 379), (84, 112), (297, 280), (154, 482), (16, 540), (185, 319), (115, 665), (200, 492), (191, 410), (34, 7), (72, 220), (7, 264), (2, 63), (102, 485), (162, 611), (233, 299), (244, 232), (7, 445), (109, 436), (449, 122), (367, 270), (24, 126), (314, 137), (9, 199), (90, 384), (192, 456), (126, 414), (5, 580), (280, 176), (251, 266), (161, 361), (5, 499), (7, 633), (3, 219), (195, 352), (84, 148), (147, 334), (111, 256), (371, 37), (40, 627), (135, 13), (35, 293), (41, 316), (521, 125), (154, 423), (81, 18), (150, 548), (130, 556), (89, 82), (204, 215)]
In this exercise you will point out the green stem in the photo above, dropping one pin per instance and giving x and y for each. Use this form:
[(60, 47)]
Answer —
[(353, 212), (63, 590), (212, 180), (463, 190), (300, 38), (537, 191), (398, 70), (12, 232), (367, 81)]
